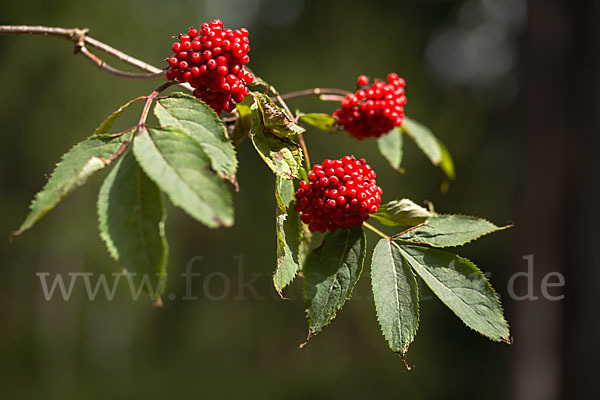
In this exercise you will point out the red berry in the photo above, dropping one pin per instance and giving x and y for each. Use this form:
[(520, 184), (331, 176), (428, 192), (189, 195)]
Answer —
[(327, 203), (211, 60), (375, 110)]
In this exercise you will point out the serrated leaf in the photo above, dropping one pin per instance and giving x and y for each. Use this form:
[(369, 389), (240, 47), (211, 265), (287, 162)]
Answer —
[(390, 147), (449, 230), (241, 128), (192, 116), (283, 156), (275, 119), (131, 216), (289, 234), (180, 167), (74, 169), (459, 284), (322, 121), (401, 212), (112, 118), (396, 296), (330, 273)]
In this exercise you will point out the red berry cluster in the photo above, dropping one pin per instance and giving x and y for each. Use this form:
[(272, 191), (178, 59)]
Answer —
[(373, 110), (212, 60), (339, 194)]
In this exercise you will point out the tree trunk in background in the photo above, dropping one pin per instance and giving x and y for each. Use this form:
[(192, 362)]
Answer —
[(557, 343)]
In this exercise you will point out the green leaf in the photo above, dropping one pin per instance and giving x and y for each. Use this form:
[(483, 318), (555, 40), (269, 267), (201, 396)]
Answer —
[(401, 212), (459, 284), (449, 230), (390, 146), (283, 156), (74, 169), (112, 118), (242, 126), (423, 137), (321, 121), (179, 166), (132, 217), (330, 273), (275, 119), (396, 296), (433, 148), (305, 242), (287, 223), (446, 163), (192, 116)]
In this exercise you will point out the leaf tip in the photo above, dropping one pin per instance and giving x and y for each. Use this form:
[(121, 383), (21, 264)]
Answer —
[(308, 337), (234, 182), (280, 293), (402, 356), (14, 234), (157, 302)]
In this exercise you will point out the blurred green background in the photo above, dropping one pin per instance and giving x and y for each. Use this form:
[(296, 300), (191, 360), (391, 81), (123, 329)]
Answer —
[(466, 65)]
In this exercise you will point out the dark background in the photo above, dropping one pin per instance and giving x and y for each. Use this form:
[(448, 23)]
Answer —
[(510, 86)]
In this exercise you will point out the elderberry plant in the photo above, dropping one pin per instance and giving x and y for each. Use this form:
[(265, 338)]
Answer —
[(191, 158)]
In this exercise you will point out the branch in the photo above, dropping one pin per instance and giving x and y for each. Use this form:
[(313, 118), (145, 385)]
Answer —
[(91, 57), (81, 39), (314, 92), (295, 119)]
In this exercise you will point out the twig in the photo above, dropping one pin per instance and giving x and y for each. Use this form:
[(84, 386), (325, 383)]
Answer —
[(82, 41), (332, 97), (119, 55), (300, 136), (314, 92), (120, 151), (117, 72), (80, 38), (149, 100)]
